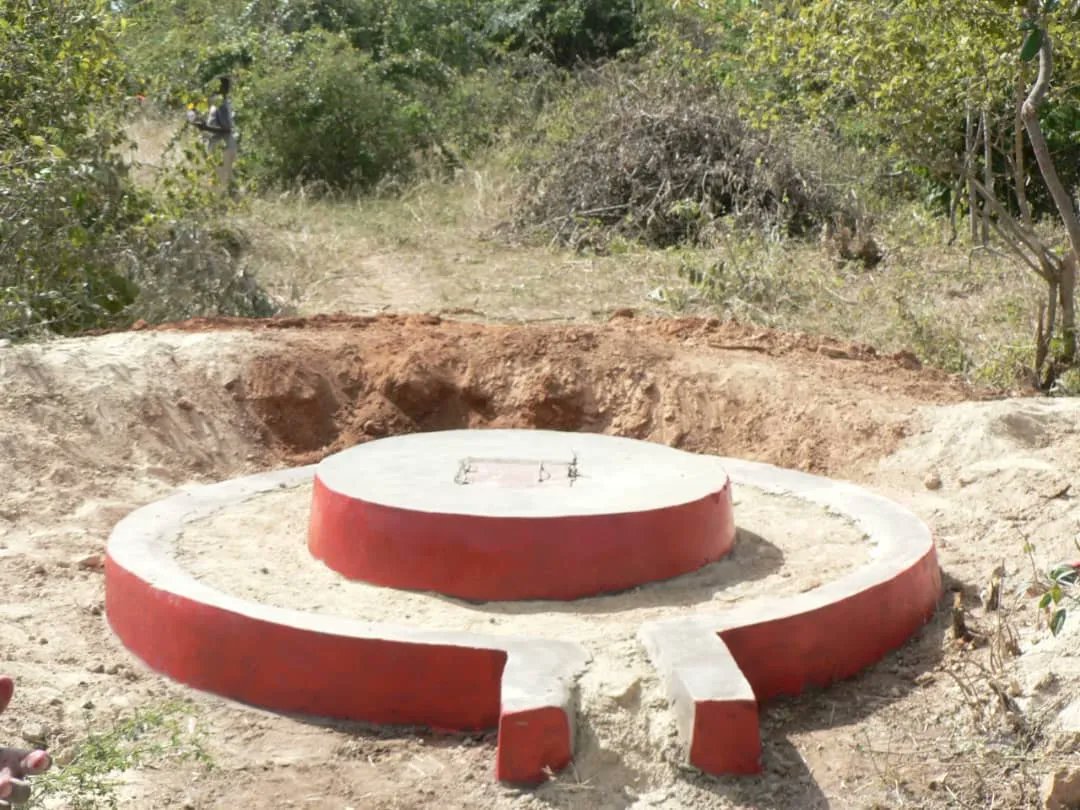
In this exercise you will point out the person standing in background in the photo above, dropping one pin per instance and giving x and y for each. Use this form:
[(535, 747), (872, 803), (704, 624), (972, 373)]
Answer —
[(221, 132)]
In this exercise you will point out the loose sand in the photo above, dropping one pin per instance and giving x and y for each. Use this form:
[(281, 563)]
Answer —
[(257, 550), (93, 428)]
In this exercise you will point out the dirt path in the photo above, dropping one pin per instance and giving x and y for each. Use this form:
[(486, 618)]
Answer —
[(92, 428), (367, 260)]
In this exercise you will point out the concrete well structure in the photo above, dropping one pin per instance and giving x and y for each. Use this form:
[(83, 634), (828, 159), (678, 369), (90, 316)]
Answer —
[(518, 514), (605, 504)]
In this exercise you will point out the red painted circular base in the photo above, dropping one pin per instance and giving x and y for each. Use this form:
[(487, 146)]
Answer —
[(518, 514)]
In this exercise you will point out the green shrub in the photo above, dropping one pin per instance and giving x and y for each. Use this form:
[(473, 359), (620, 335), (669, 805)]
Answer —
[(328, 116), (62, 194), (81, 246), (500, 102), (566, 31), (345, 92), (448, 32)]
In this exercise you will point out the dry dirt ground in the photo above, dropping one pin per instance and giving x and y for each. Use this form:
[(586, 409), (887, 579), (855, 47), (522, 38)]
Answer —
[(94, 427)]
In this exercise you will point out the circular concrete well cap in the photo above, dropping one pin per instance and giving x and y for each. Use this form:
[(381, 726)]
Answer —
[(518, 514)]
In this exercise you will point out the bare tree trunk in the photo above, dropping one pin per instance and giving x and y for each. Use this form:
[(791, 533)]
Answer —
[(1019, 169), (1020, 182), (954, 203), (1047, 323), (988, 175), (1019, 166), (969, 151), (1067, 293), (1051, 311), (1067, 282)]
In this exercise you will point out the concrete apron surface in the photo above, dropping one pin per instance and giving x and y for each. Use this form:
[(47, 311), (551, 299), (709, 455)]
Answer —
[(717, 667)]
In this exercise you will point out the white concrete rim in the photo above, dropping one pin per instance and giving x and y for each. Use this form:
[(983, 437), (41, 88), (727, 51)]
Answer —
[(142, 544), (415, 472)]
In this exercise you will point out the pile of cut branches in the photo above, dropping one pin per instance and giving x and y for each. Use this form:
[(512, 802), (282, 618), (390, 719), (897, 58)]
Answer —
[(664, 162)]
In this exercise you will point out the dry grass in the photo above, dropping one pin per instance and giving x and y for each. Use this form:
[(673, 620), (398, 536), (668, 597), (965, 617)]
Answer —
[(965, 311), (438, 246), (432, 249)]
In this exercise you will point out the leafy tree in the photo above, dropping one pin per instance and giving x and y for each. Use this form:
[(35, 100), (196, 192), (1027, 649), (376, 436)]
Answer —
[(327, 115), (62, 200), (346, 91), (80, 245), (567, 32), (947, 87)]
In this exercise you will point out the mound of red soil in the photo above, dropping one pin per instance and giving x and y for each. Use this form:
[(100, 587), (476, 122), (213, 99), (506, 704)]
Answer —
[(333, 381)]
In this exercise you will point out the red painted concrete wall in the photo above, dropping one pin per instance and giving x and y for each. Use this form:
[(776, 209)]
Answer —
[(784, 656), (815, 648), (293, 670), (726, 737), (505, 558), (529, 737)]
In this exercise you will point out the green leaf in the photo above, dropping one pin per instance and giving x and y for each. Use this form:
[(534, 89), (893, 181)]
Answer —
[(1044, 603), (1031, 45), (1064, 574), (1049, 6), (1057, 621)]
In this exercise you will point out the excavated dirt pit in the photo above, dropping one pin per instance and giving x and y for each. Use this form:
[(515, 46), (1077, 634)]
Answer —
[(316, 386)]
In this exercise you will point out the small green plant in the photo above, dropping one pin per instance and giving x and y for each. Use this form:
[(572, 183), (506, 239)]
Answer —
[(1063, 580), (1061, 586), (1067, 384), (748, 276), (90, 780)]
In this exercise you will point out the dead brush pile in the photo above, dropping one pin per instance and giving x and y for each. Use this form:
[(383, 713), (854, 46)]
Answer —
[(663, 163)]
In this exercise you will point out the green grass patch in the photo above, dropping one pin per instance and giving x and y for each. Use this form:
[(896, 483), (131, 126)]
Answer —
[(164, 735)]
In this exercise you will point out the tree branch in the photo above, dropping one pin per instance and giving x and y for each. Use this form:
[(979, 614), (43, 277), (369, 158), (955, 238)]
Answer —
[(1018, 249), (1062, 201), (1029, 239), (1030, 113), (1042, 82)]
